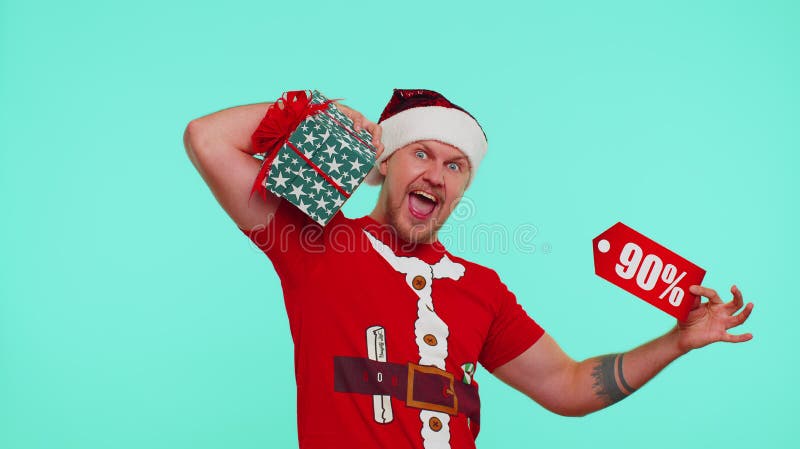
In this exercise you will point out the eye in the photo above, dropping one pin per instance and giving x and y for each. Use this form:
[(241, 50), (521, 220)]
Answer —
[(420, 154), (454, 166)]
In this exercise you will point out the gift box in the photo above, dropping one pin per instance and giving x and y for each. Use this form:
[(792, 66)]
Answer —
[(312, 155)]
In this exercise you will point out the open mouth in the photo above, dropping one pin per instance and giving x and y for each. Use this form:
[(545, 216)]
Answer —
[(421, 204)]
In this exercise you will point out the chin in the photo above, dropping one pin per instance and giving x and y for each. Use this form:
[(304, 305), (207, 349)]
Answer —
[(413, 229), (420, 232)]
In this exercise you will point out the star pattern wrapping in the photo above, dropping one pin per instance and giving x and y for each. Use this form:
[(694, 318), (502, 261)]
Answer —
[(345, 159)]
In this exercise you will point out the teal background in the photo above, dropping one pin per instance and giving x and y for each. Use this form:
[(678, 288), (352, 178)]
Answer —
[(133, 314)]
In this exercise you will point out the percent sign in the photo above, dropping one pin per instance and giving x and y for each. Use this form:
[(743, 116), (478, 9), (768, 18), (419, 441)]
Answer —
[(622, 254), (649, 270)]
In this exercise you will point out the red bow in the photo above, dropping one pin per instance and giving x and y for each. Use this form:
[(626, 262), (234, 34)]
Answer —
[(276, 127)]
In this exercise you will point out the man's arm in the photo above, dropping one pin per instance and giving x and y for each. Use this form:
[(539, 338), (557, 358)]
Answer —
[(219, 147), (560, 384)]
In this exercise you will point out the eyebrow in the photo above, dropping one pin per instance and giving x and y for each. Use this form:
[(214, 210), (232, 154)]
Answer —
[(456, 158)]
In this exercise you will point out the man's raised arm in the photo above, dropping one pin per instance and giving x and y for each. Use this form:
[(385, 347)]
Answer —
[(551, 378), (219, 146)]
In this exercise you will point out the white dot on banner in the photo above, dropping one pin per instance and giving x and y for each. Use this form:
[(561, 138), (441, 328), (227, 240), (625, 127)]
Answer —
[(603, 246)]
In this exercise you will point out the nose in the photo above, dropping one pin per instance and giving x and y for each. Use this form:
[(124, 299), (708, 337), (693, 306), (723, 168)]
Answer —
[(434, 174)]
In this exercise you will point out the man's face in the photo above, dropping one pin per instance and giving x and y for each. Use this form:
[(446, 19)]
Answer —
[(423, 183)]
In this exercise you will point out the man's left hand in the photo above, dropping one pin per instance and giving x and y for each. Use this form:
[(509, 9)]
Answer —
[(708, 322)]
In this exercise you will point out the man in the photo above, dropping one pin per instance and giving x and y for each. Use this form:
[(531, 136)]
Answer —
[(388, 326)]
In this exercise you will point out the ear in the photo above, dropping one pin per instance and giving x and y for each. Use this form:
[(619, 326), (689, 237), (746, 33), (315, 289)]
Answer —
[(384, 167)]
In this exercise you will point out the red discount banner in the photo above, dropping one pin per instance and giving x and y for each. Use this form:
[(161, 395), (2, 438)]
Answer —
[(646, 269)]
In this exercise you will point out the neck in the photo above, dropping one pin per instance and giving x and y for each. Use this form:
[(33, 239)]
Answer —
[(384, 220), (379, 215)]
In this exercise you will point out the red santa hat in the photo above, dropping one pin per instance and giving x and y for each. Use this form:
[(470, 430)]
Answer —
[(418, 114)]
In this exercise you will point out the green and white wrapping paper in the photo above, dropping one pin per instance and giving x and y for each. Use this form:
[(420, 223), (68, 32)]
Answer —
[(328, 147)]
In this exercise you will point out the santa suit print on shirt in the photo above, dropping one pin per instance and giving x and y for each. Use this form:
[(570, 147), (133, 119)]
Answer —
[(430, 331), (386, 337)]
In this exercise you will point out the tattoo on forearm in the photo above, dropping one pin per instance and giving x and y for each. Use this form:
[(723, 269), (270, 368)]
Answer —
[(608, 377), (621, 377)]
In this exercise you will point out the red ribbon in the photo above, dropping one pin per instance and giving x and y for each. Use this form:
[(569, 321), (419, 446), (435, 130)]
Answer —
[(276, 127), (318, 170)]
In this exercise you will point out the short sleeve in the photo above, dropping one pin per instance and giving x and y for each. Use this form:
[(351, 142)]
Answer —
[(289, 239), (511, 332)]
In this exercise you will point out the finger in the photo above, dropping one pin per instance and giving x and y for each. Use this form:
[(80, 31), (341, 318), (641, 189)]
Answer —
[(741, 317), (377, 133), (356, 118), (731, 338), (353, 115), (738, 299), (376, 139), (370, 127), (709, 293), (696, 303)]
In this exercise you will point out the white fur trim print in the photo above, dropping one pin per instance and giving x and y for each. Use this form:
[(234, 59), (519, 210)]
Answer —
[(432, 351)]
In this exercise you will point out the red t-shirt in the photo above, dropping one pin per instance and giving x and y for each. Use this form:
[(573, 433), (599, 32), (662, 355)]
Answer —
[(359, 302)]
